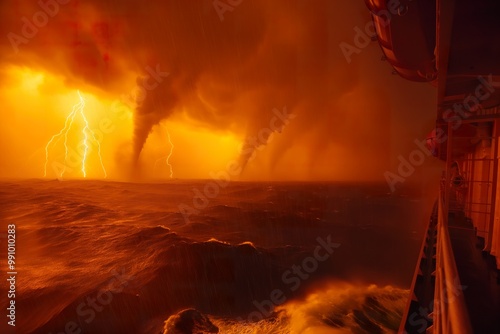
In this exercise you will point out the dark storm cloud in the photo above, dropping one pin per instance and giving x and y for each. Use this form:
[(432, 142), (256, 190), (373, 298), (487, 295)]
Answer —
[(225, 74)]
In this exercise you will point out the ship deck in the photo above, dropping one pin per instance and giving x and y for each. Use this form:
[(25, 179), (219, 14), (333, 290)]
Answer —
[(478, 275)]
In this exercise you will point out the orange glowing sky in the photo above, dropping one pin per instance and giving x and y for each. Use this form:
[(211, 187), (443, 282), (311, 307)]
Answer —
[(226, 80)]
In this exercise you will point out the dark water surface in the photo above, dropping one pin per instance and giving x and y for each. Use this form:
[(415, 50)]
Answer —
[(110, 257)]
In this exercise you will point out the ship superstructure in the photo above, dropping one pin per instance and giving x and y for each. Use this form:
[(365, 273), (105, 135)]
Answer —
[(454, 45)]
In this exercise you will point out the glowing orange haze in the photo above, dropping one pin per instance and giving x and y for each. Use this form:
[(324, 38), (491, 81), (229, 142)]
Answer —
[(41, 104), (173, 68)]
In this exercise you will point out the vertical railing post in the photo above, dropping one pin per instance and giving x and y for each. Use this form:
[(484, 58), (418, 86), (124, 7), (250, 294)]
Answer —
[(491, 223), (449, 157), (450, 311)]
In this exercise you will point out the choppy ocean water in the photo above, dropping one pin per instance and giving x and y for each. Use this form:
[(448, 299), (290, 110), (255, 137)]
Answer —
[(114, 257)]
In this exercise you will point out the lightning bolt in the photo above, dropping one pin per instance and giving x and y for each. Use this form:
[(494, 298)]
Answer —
[(78, 109), (85, 131), (167, 157), (65, 130)]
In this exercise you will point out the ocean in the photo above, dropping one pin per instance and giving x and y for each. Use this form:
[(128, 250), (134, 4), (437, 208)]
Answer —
[(244, 257)]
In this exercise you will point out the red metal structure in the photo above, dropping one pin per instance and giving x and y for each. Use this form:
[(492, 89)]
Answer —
[(455, 44), (397, 22)]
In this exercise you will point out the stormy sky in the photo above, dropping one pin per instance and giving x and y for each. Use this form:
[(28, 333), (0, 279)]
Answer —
[(215, 74)]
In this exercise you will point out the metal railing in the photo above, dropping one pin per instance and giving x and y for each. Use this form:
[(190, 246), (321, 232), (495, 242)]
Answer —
[(450, 312), (409, 324)]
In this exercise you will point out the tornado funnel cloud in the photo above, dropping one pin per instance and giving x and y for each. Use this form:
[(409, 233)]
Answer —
[(158, 104)]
